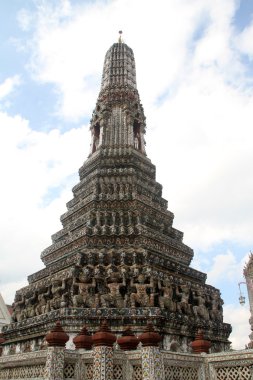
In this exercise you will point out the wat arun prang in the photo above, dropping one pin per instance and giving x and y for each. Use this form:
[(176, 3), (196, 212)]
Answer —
[(118, 255)]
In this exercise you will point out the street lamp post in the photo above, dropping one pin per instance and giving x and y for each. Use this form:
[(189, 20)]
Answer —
[(241, 296)]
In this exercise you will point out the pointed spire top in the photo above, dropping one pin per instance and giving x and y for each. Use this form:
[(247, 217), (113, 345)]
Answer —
[(119, 66), (120, 39)]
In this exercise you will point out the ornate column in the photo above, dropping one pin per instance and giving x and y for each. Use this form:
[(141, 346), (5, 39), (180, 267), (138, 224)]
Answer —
[(56, 339), (151, 356), (103, 341), (82, 342)]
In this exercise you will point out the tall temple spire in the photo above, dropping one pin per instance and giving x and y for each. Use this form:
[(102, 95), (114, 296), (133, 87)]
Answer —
[(118, 119), (118, 254)]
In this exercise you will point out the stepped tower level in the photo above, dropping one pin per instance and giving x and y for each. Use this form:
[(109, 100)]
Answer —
[(118, 255)]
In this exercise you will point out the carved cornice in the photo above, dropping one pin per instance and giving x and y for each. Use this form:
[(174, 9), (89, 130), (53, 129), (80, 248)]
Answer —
[(72, 320)]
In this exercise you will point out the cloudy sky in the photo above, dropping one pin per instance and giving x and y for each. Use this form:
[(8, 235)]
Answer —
[(194, 63)]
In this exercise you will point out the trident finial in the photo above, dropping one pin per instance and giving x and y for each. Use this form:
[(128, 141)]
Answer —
[(120, 39)]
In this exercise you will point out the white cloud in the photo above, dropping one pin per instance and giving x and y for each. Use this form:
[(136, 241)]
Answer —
[(69, 43), (7, 290), (204, 158), (8, 86), (238, 317), (226, 267), (32, 165), (194, 90), (25, 19), (244, 40)]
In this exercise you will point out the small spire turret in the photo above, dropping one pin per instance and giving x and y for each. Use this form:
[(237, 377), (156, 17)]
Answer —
[(118, 119)]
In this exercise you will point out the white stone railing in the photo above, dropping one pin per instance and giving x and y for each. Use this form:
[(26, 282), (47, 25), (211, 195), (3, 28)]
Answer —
[(183, 366), (151, 363), (29, 365), (229, 365)]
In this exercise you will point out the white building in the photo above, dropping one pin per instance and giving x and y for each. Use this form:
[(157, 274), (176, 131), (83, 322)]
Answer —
[(5, 316)]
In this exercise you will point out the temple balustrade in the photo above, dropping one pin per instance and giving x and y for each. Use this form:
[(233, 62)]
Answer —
[(128, 365)]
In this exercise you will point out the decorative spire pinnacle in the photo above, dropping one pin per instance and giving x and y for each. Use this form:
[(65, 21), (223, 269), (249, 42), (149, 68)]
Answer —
[(200, 345), (120, 39), (149, 337), (104, 336), (119, 68), (57, 336), (118, 120)]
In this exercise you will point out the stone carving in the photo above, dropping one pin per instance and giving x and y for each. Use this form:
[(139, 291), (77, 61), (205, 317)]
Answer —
[(58, 289), (166, 298), (12, 349), (27, 347), (18, 307), (200, 309), (114, 298), (43, 344), (141, 297), (137, 141), (86, 287), (30, 304), (216, 308), (183, 294), (43, 301)]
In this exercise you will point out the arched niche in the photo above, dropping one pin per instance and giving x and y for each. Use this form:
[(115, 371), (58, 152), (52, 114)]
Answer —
[(96, 137), (137, 134)]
